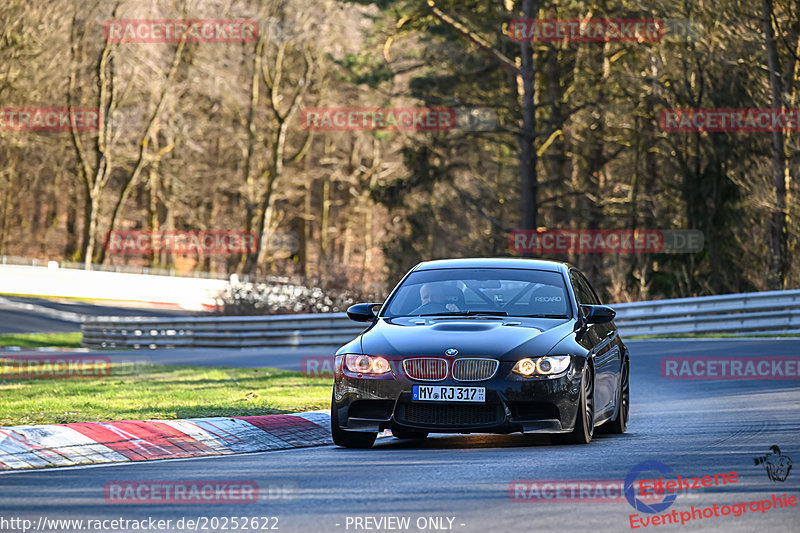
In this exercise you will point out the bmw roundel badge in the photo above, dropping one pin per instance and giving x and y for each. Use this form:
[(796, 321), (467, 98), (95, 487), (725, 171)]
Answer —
[(451, 352)]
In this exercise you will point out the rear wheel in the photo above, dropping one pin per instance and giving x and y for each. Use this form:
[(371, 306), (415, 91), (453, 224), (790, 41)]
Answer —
[(584, 419), (348, 439), (620, 424)]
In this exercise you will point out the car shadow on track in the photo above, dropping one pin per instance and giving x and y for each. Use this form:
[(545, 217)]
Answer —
[(479, 440)]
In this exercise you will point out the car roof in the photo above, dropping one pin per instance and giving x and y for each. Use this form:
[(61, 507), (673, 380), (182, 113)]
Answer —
[(494, 262)]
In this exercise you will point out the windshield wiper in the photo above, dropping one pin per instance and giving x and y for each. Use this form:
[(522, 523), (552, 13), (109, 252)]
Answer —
[(466, 313), (543, 316)]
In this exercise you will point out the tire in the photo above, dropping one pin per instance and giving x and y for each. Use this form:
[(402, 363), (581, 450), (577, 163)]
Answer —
[(348, 439), (408, 434), (584, 418), (619, 424)]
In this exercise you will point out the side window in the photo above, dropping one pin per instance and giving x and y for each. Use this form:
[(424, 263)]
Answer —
[(580, 294), (583, 291), (589, 289)]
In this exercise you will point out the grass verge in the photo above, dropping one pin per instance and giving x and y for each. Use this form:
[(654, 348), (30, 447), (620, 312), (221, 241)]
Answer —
[(42, 340), (135, 391)]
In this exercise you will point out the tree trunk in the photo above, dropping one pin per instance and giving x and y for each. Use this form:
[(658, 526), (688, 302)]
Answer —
[(305, 233), (777, 247), (264, 211), (71, 244), (91, 214), (11, 170), (247, 259), (527, 152), (324, 248)]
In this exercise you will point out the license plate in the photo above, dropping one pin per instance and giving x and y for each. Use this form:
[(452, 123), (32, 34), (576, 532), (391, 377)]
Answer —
[(445, 393)]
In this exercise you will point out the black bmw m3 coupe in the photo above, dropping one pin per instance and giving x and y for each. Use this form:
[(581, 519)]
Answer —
[(483, 346)]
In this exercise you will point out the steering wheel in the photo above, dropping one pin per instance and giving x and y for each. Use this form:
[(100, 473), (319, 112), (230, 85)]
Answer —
[(430, 307)]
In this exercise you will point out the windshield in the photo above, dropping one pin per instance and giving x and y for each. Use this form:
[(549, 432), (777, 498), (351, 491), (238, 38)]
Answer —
[(473, 292)]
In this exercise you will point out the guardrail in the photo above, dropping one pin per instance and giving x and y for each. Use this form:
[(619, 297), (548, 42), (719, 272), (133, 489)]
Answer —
[(316, 330), (740, 314)]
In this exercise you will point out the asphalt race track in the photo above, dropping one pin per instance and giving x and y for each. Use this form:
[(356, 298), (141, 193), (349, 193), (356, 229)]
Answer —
[(697, 428)]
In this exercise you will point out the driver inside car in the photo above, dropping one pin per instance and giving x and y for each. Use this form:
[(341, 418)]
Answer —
[(432, 294)]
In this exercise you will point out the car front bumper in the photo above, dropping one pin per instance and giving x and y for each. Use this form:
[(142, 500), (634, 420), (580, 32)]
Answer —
[(513, 403)]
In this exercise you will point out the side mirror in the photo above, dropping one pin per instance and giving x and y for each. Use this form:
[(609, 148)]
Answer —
[(598, 314), (362, 312)]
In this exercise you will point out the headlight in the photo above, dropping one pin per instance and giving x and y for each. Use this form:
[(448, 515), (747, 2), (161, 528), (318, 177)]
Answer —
[(366, 364), (542, 366)]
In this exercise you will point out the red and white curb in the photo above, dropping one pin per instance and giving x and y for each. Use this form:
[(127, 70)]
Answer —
[(42, 446)]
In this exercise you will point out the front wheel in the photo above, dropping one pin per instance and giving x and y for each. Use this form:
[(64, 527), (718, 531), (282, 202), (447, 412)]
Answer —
[(584, 419), (620, 423), (348, 439)]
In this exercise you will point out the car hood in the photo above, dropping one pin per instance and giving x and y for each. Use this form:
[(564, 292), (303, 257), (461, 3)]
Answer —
[(505, 338)]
